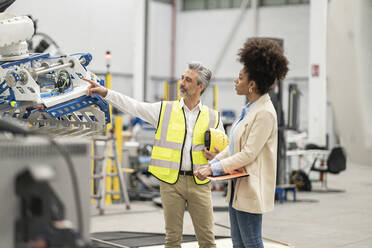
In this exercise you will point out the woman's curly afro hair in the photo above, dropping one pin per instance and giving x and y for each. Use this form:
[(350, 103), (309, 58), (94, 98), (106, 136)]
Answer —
[(264, 61)]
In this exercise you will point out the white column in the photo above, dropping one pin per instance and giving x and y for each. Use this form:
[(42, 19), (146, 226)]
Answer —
[(317, 125), (139, 63), (254, 8)]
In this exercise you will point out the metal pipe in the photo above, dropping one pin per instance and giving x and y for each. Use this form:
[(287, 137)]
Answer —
[(255, 18), (56, 66)]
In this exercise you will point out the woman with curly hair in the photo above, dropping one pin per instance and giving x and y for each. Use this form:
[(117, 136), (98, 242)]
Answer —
[(253, 142)]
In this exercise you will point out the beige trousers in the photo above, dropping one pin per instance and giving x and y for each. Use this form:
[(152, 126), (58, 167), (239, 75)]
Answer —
[(199, 203)]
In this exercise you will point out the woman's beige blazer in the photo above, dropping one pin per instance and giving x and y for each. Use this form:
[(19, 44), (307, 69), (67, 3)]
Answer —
[(255, 152)]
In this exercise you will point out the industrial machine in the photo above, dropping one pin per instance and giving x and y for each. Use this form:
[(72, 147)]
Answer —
[(47, 92), (44, 182), (42, 200)]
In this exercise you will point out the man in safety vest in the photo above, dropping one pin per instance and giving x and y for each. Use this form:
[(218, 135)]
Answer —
[(178, 151)]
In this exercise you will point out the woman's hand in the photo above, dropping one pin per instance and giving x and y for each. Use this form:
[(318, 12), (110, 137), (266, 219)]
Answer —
[(210, 155), (95, 88), (203, 172)]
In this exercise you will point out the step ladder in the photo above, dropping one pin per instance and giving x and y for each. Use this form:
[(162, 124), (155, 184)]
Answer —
[(100, 173)]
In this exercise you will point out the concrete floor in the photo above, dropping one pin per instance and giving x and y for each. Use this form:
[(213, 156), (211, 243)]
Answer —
[(316, 220)]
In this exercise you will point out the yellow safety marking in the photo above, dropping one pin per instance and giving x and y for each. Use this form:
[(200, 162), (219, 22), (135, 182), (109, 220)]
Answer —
[(92, 171), (108, 180), (119, 140), (166, 91), (178, 90), (215, 97)]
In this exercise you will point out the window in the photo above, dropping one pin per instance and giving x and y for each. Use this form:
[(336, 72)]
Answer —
[(298, 1), (226, 4), (211, 4), (237, 3), (272, 2), (163, 1), (281, 2), (193, 4)]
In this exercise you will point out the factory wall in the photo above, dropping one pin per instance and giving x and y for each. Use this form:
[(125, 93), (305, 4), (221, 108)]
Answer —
[(86, 26), (202, 34)]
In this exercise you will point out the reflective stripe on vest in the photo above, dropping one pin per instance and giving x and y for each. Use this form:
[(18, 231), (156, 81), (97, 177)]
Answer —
[(170, 137), (197, 154)]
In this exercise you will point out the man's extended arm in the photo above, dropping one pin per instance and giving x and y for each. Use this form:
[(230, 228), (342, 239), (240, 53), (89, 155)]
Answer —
[(146, 111)]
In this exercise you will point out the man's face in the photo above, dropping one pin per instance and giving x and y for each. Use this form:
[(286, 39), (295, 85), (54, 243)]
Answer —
[(189, 84)]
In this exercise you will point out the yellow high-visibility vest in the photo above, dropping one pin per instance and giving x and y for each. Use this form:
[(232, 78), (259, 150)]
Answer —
[(169, 140)]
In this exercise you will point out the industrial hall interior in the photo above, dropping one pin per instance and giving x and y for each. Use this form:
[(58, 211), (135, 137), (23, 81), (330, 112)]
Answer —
[(185, 123)]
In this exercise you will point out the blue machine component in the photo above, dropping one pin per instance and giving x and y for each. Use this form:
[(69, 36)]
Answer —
[(55, 93), (11, 95), (88, 57), (6, 100), (103, 106), (80, 103), (36, 56), (3, 87), (14, 75), (79, 75), (23, 61)]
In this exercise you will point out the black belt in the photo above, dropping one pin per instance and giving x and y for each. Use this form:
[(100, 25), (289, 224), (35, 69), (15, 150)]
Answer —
[(186, 173)]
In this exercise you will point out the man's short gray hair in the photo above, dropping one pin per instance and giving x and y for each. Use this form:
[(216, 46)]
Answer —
[(205, 74)]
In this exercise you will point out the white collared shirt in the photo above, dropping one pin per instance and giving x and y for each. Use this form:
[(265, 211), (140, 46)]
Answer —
[(191, 116), (150, 112)]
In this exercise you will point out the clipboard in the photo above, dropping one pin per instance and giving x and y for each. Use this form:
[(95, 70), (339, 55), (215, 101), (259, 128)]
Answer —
[(229, 176)]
